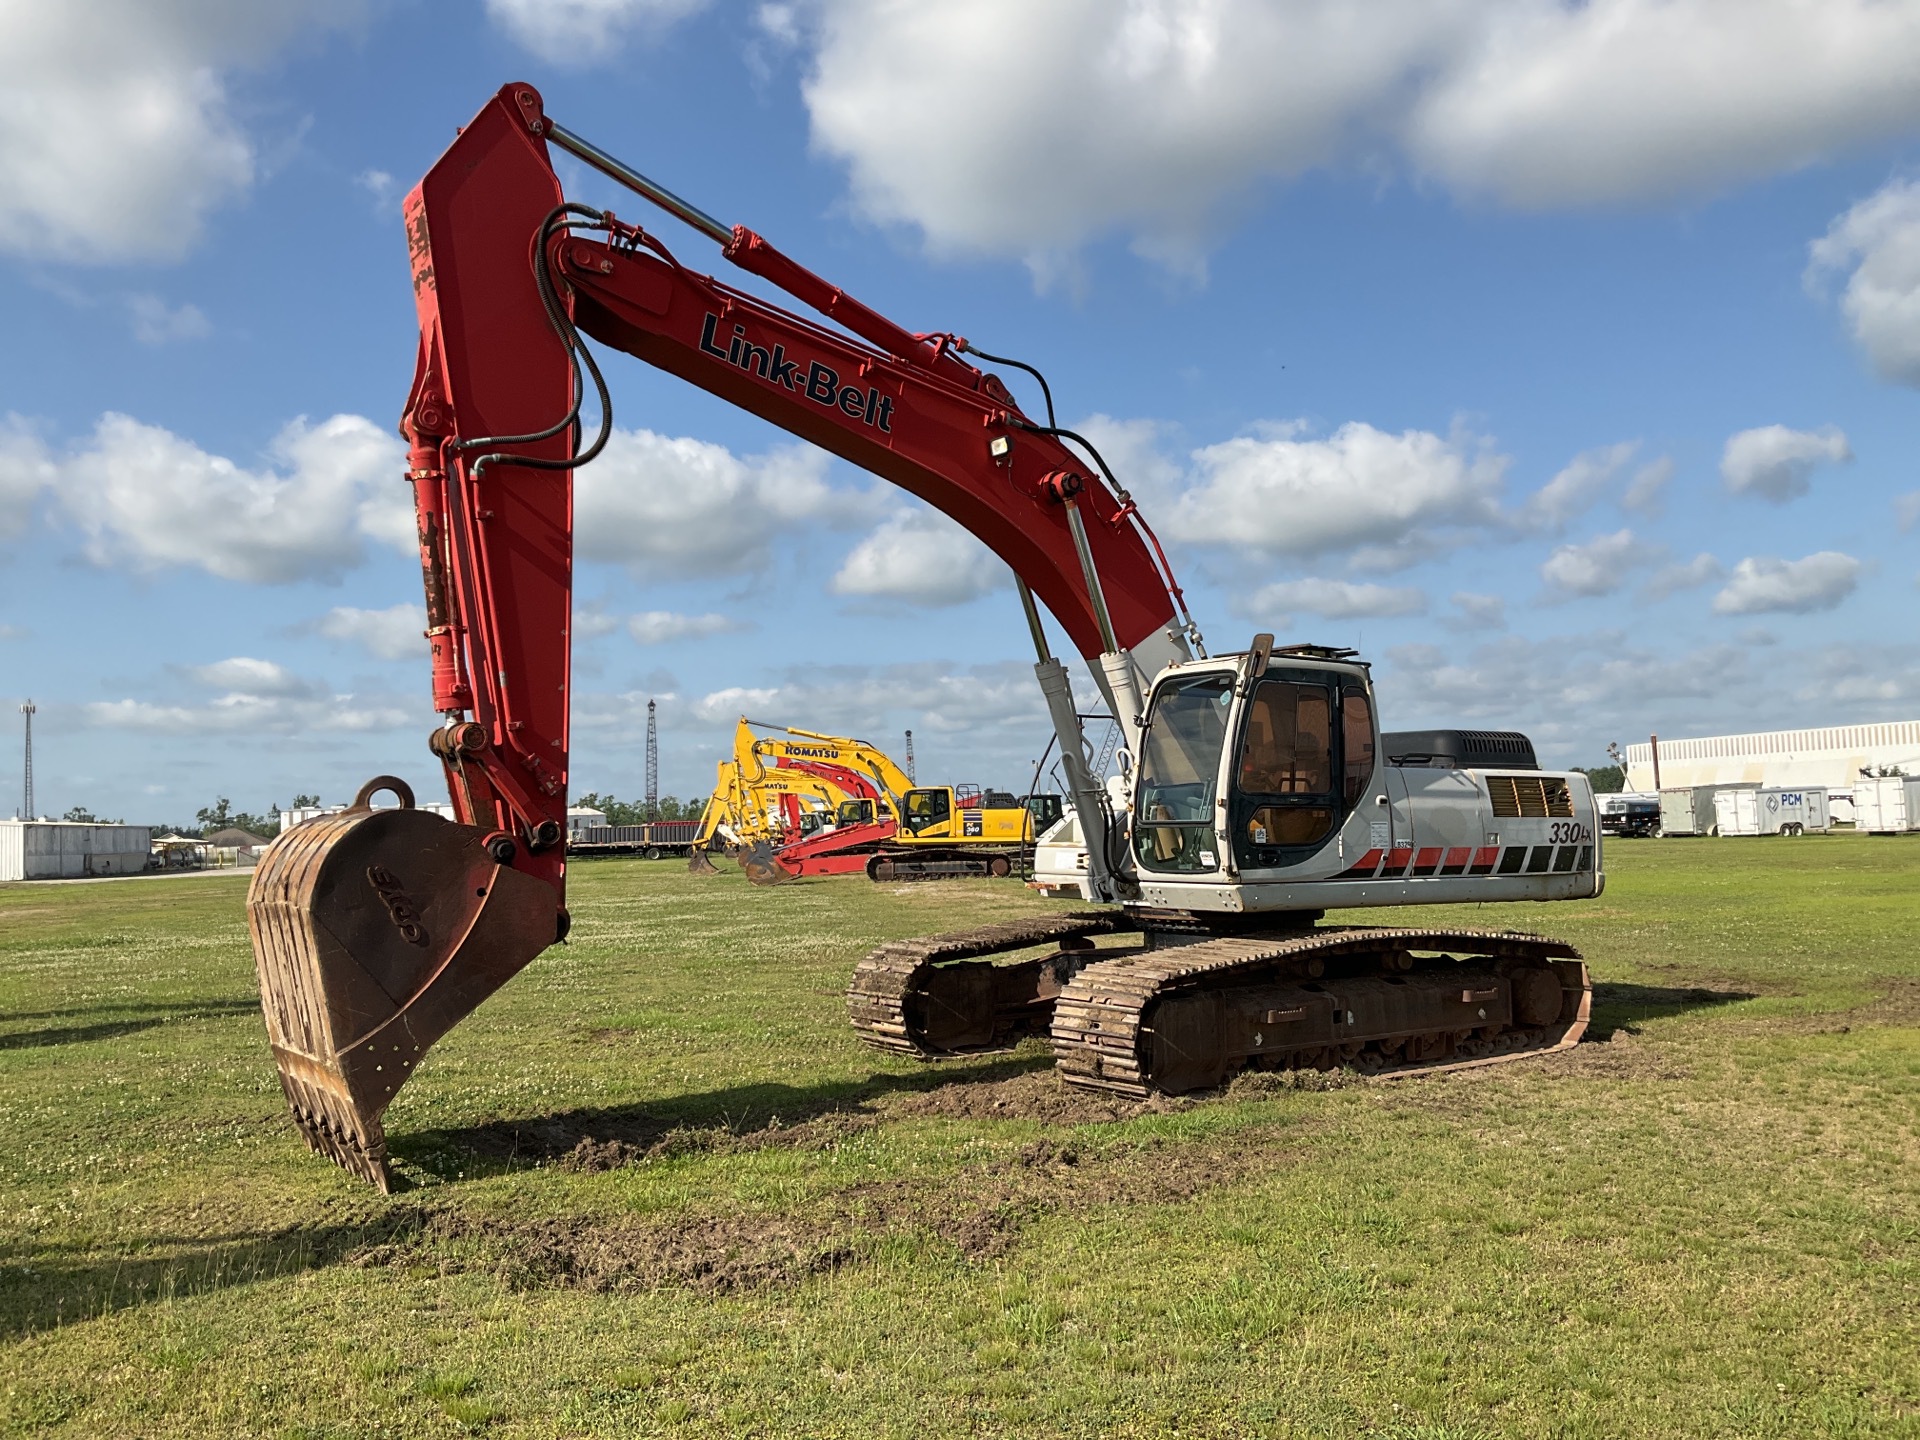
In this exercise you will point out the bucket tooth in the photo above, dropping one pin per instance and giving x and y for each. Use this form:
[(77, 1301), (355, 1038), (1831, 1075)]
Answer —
[(375, 932), (700, 863)]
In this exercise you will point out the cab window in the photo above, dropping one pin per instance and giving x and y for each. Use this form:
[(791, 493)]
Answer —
[(1356, 742), (926, 808), (1179, 774), (1284, 782)]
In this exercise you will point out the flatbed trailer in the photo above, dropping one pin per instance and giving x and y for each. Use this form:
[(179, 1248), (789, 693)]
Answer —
[(651, 841)]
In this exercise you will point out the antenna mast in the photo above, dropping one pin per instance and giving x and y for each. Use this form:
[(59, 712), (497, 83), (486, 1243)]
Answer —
[(29, 710), (910, 775), (653, 764)]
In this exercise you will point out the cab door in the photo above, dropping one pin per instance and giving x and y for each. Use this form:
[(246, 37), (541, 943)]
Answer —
[(1392, 828), (929, 814)]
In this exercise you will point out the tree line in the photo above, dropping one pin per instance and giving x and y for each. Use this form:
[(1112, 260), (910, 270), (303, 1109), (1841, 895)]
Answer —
[(627, 812)]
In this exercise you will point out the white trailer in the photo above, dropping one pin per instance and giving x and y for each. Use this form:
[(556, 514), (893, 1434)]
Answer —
[(1771, 810), (1688, 809), (66, 850), (1888, 805)]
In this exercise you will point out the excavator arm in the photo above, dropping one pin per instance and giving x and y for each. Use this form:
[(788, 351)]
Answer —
[(376, 931), (814, 746)]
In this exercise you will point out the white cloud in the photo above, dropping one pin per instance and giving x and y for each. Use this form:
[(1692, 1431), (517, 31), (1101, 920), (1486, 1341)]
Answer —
[(658, 627), (1599, 567), (1776, 463), (1580, 485), (395, 633), (1275, 493), (779, 23), (1159, 118), (25, 470), (117, 138), (381, 186), (157, 323), (1906, 510), (253, 697), (1477, 612), (1671, 579), (149, 499), (581, 32), (930, 697), (1629, 100), (1573, 693), (248, 676), (1648, 485), (922, 558), (1878, 242), (1762, 584), (1334, 600), (674, 506)]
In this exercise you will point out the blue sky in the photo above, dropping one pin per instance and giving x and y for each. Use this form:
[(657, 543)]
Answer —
[(1561, 357)]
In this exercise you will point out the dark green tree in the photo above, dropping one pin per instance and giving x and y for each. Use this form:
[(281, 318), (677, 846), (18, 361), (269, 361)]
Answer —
[(1605, 779)]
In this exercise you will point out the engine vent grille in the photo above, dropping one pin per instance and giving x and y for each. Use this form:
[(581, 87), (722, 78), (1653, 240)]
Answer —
[(1531, 797)]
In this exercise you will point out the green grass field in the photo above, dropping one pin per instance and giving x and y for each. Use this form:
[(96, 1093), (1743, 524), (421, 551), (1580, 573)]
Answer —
[(655, 1187)]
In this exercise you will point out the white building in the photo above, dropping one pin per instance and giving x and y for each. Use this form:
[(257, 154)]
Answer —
[(584, 817), (66, 850), (1832, 758), (304, 813)]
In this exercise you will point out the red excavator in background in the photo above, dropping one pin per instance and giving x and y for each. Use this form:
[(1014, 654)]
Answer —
[(1261, 790)]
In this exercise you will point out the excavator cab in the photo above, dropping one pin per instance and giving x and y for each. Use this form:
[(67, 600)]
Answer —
[(1253, 766), (854, 812)]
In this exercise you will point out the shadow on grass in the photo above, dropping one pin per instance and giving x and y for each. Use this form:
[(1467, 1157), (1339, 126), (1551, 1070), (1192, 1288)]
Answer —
[(49, 1290), (1626, 1007), (147, 1018), (503, 1145)]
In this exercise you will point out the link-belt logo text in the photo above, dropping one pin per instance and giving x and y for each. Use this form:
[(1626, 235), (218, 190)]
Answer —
[(820, 384)]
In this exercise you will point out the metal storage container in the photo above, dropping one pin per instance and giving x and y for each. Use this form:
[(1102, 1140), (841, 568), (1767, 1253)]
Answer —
[(1688, 809), (66, 850), (1887, 806)]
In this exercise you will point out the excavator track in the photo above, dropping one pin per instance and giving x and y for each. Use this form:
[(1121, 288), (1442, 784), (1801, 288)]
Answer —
[(892, 865), (935, 996), (1189, 1016)]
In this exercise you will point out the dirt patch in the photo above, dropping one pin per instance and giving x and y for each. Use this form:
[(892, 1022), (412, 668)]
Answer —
[(712, 1254), (607, 1142), (1622, 1055), (1036, 1095), (981, 1212)]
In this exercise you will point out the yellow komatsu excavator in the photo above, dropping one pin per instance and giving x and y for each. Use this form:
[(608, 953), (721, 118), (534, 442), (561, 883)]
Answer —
[(755, 809), (935, 830)]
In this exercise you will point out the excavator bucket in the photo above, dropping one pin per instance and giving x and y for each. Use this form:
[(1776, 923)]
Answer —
[(375, 932), (700, 863), (761, 866)]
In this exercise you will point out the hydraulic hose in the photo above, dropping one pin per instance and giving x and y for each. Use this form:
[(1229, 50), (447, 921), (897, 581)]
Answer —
[(577, 354)]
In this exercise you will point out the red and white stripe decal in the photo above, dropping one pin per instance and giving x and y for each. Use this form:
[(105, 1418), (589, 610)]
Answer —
[(1408, 863)]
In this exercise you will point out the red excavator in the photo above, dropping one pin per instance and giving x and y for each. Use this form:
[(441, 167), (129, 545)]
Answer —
[(1260, 791)]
